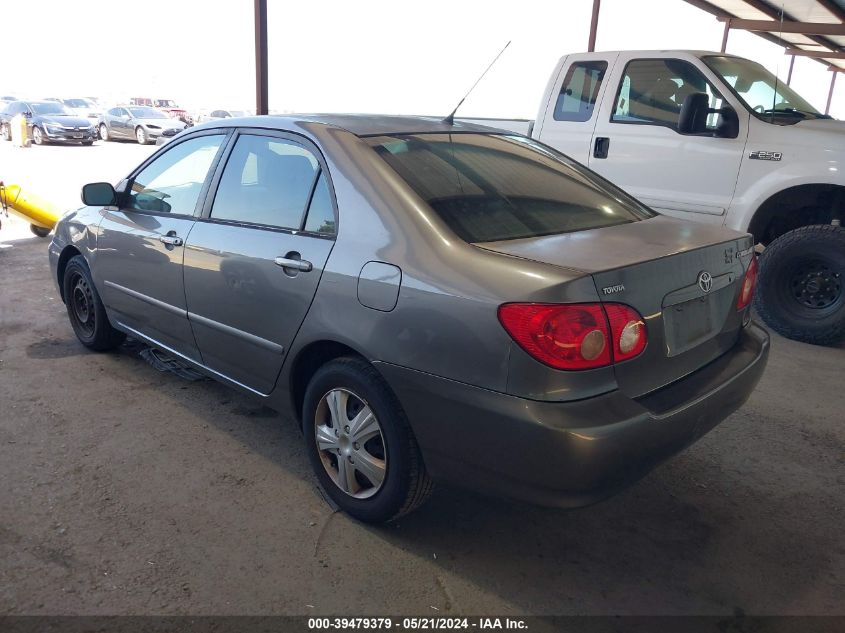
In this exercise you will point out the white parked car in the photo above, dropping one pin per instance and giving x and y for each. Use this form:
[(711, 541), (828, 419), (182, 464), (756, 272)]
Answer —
[(84, 108), (718, 139)]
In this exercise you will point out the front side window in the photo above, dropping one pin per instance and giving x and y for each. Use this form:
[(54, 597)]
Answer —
[(173, 181), (580, 89), (266, 181), (497, 187), (761, 91), (652, 92)]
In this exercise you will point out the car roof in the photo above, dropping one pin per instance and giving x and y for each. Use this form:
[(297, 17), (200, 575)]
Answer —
[(361, 124)]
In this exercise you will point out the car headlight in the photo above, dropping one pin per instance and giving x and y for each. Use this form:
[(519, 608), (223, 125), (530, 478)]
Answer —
[(153, 127), (54, 127)]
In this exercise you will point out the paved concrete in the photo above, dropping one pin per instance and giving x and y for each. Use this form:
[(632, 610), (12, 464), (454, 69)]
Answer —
[(128, 491)]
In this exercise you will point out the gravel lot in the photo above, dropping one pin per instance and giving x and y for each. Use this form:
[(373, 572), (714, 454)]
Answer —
[(129, 491)]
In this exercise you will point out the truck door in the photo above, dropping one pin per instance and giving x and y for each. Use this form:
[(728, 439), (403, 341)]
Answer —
[(637, 145), (574, 101)]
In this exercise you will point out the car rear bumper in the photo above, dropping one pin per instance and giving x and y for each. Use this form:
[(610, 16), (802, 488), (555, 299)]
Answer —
[(569, 453)]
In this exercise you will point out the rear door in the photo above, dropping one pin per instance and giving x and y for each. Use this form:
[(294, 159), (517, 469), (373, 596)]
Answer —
[(574, 104), (253, 261), (637, 145), (138, 264)]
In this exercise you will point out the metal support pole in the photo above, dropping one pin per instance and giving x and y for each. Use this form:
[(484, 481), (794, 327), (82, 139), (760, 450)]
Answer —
[(791, 65), (725, 36), (594, 24), (830, 94), (261, 103)]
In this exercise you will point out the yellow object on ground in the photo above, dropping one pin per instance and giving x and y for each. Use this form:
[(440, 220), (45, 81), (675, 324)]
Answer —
[(32, 208)]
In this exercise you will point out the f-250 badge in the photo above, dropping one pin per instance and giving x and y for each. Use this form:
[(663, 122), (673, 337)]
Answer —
[(761, 154)]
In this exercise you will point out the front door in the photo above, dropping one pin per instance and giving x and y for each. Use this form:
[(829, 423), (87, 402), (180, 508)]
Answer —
[(636, 143), (253, 261), (138, 266)]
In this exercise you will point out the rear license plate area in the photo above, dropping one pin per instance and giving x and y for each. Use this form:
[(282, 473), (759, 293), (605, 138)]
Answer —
[(692, 322)]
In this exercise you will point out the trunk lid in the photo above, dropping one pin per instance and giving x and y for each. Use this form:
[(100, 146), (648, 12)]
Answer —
[(654, 266)]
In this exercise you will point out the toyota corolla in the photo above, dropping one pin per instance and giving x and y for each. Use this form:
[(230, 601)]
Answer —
[(431, 301)]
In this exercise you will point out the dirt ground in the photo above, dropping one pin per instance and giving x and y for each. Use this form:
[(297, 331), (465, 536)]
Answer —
[(129, 491)]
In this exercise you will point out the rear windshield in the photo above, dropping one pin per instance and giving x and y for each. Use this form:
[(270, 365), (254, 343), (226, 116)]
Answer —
[(498, 187)]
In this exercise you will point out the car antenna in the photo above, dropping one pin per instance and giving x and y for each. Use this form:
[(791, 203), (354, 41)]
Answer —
[(450, 120)]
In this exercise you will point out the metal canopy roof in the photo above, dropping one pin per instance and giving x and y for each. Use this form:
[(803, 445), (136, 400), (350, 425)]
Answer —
[(807, 28)]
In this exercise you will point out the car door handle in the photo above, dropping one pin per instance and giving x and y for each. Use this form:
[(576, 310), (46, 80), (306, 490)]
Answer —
[(171, 240), (296, 264), (601, 147)]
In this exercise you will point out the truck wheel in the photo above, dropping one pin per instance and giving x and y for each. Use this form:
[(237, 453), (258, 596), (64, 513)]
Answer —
[(40, 231), (104, 132), (800, 290), (141, 135)]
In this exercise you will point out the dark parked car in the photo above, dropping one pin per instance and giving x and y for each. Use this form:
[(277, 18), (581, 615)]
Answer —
[(141, 123), (431, 301), (48, 122)]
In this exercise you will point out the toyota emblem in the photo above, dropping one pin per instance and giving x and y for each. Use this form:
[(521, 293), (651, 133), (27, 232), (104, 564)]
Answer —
[(705, 281)]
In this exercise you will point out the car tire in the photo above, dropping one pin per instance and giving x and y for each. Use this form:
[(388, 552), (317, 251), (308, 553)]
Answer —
[(338, 392), (5, 133), (104, 132), (39, 231), (141, 135), (85, 308), (801, 286), (38, 136)]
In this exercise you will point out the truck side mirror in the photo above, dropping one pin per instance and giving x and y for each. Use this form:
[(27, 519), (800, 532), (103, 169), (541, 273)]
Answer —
[(694, 111), (728, 123), (98, 194)]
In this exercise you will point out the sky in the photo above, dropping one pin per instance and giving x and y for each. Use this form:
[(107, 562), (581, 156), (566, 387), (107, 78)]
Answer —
[(391, 57)]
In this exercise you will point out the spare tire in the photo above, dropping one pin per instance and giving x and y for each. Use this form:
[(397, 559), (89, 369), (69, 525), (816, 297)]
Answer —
[(800, 291)]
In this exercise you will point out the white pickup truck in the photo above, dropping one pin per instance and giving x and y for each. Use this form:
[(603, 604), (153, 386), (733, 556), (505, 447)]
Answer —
[(716, 138)]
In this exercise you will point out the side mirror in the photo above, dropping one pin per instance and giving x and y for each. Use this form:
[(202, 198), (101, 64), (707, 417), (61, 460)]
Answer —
[(693, 117), (98, 194), (728, 123), (694, 111)]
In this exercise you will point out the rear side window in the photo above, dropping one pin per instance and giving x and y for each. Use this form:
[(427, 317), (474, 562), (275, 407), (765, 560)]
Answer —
[(267, 181), (490, 187), (580, 89), (321, 212)]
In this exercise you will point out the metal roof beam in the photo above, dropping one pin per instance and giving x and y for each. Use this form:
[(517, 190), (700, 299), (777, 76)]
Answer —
[(776, 26), (800, 52)]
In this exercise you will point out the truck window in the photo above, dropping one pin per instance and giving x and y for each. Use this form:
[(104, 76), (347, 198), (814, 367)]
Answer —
[(652, 92), (577, 98)]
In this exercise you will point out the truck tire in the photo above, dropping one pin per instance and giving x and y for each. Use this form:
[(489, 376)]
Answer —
[(800, 291)]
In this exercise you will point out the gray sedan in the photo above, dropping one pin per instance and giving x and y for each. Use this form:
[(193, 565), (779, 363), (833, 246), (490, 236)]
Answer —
[(140, 123), (431, 301)]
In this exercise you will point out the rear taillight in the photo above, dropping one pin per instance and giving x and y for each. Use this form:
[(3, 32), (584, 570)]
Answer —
[(575, 336), (746, 293), (627, 330)]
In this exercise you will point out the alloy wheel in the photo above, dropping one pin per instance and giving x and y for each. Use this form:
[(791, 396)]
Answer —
[(141, 135), (350, 443)]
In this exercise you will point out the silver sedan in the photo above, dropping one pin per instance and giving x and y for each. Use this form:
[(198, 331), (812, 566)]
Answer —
[(430, 301)]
